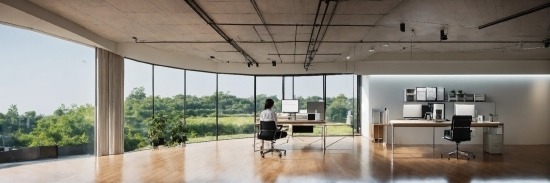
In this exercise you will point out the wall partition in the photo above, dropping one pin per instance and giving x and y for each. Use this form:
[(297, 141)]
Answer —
[(47, 95)]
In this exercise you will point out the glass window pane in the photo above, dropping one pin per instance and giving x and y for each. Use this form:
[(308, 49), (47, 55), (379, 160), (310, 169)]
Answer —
[(235, 106), (268, 87), (138, 104), (169, 101), (289, 87), (201, 106), (340, 103), (47, 95), (308, 89)]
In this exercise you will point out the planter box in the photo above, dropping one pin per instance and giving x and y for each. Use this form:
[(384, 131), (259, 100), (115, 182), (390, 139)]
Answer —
[(29, 154)]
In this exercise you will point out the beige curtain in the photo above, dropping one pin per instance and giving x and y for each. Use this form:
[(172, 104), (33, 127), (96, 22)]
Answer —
[(110, 103)]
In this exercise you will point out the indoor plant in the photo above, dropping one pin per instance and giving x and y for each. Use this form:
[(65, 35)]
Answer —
[(156, 129), (178, 133)]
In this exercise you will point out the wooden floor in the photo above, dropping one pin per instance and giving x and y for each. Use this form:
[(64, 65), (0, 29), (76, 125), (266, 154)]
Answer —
[(349, 160)]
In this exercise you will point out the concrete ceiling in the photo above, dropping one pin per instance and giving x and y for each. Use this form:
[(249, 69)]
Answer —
[(173, 26)]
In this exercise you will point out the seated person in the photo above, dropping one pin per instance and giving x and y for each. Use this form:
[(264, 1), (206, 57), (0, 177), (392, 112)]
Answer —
[(268, 115)]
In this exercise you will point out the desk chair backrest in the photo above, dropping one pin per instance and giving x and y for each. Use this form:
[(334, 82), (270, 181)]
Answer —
[(268, 130), (461, 128)]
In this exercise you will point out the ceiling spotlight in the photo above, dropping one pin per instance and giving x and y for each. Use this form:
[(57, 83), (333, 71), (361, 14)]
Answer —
[(273, 63), (442, 35), (257, 64), (402, 27), (212, 57), (385, 45), (248, 64), (371, 50), (348, 57)]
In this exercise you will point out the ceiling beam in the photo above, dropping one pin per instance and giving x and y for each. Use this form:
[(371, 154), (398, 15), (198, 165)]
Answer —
[(212, 24)]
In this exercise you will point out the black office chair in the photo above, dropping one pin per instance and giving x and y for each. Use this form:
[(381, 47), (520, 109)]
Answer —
[(269, 131), (460, 132)]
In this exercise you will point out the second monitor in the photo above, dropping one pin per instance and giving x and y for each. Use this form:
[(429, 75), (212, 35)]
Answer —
[(290, 106)]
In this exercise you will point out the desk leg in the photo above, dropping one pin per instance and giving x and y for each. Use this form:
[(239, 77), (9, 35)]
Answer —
[(324, 139), (254, 144), (433, 140), (392, 138)]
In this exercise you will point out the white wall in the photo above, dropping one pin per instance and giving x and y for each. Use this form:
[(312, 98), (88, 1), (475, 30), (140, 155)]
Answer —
[(522, 103), (365, 106)]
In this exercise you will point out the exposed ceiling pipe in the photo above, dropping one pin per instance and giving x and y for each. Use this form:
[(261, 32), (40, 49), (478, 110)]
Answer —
[(264, 24), (543, 6), (312, 30), (212, 24), (318, 42), (315, 43)]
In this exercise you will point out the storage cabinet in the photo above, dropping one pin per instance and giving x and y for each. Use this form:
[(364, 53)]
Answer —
[(377, 133), (492, 140)]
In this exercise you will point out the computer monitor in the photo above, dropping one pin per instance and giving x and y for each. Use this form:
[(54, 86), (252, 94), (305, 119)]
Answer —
[(465, 110), (412, 110), (290, 106)]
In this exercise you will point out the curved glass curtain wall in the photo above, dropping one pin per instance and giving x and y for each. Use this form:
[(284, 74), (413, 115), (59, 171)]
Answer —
[(221, 106), (47, 95)]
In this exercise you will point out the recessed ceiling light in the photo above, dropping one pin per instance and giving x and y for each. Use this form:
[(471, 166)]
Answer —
[(348, 57), (371, 50), (385, 45)]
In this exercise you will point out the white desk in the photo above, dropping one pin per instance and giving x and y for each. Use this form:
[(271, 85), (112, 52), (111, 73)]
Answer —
[(291, 123), (433, 124)]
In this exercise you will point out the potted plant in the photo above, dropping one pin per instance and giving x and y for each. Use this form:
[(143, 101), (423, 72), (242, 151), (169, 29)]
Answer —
[(453, 93), (460, 96), (156, 129), (178, 133)]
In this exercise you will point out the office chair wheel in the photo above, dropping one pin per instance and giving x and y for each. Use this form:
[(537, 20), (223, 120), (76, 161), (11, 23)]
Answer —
[(280, 155), (263, 155)]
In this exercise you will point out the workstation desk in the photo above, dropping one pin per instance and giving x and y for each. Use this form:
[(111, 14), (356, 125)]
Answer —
[(433, 124), (291, 123)]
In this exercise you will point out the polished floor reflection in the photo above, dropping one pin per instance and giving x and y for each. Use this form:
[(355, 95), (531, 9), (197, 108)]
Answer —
[(349, 160)]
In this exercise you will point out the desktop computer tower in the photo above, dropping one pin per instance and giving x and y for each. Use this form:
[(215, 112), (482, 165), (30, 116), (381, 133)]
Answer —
[(438, 111)]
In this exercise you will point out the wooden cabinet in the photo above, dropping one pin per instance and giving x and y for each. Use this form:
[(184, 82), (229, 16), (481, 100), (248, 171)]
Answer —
[(377, 133)]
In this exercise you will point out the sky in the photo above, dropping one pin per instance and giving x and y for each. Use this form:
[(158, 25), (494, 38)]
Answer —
[(39, 72)]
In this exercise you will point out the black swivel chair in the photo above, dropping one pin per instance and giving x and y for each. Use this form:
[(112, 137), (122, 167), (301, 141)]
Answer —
[(460, 132), (270, 132)]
